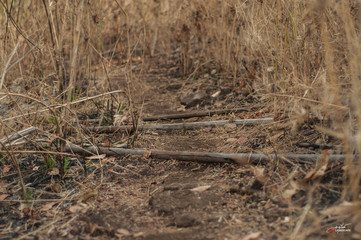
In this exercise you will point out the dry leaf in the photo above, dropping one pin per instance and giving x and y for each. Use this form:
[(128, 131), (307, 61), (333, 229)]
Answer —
[(120, 47), (173, 69), (320, 172), (36, 168), (75, 208), (287, 194), (53, 172), (30, 212), (48, 206), (324, 164), (309, 175), (147, 153), (79, 207), (252, 236), (3, 196), (201, 188), (317, 173), (6, 168), (216, 94), (259, 173), (107, 143)]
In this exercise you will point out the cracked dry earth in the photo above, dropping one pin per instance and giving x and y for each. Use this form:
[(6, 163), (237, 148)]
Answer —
[(144, 198)]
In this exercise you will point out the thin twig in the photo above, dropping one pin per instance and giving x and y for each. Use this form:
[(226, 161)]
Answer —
[(38, 152), (51, 107), (5, 70)]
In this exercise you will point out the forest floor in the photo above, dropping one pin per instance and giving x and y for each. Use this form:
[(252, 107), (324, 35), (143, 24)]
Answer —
[(137, 197)]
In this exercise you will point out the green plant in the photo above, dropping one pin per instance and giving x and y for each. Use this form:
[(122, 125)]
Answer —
[(87, 168), (49, 163), (29, 193), (52, 120), (66, 165), (75, 95)]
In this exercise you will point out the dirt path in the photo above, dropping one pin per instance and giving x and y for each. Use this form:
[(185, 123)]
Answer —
[(152, 199)]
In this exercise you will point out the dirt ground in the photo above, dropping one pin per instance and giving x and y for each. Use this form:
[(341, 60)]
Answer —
[(143, 198)]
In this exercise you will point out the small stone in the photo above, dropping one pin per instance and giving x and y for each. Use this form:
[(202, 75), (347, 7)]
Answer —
[(206, 75), (214, 71)]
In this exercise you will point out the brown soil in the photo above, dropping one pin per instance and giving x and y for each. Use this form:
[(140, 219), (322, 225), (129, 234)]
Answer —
[(142, 198)]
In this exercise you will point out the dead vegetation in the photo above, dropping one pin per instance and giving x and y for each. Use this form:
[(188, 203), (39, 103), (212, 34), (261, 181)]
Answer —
[(68, 67)]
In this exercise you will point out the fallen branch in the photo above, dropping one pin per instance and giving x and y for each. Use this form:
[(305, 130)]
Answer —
[(207, 157), (17, 135), (180, 126), (185, 114), (198, 114)]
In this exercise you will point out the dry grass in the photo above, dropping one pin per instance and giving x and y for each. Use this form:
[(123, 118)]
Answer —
[(302, 56)]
